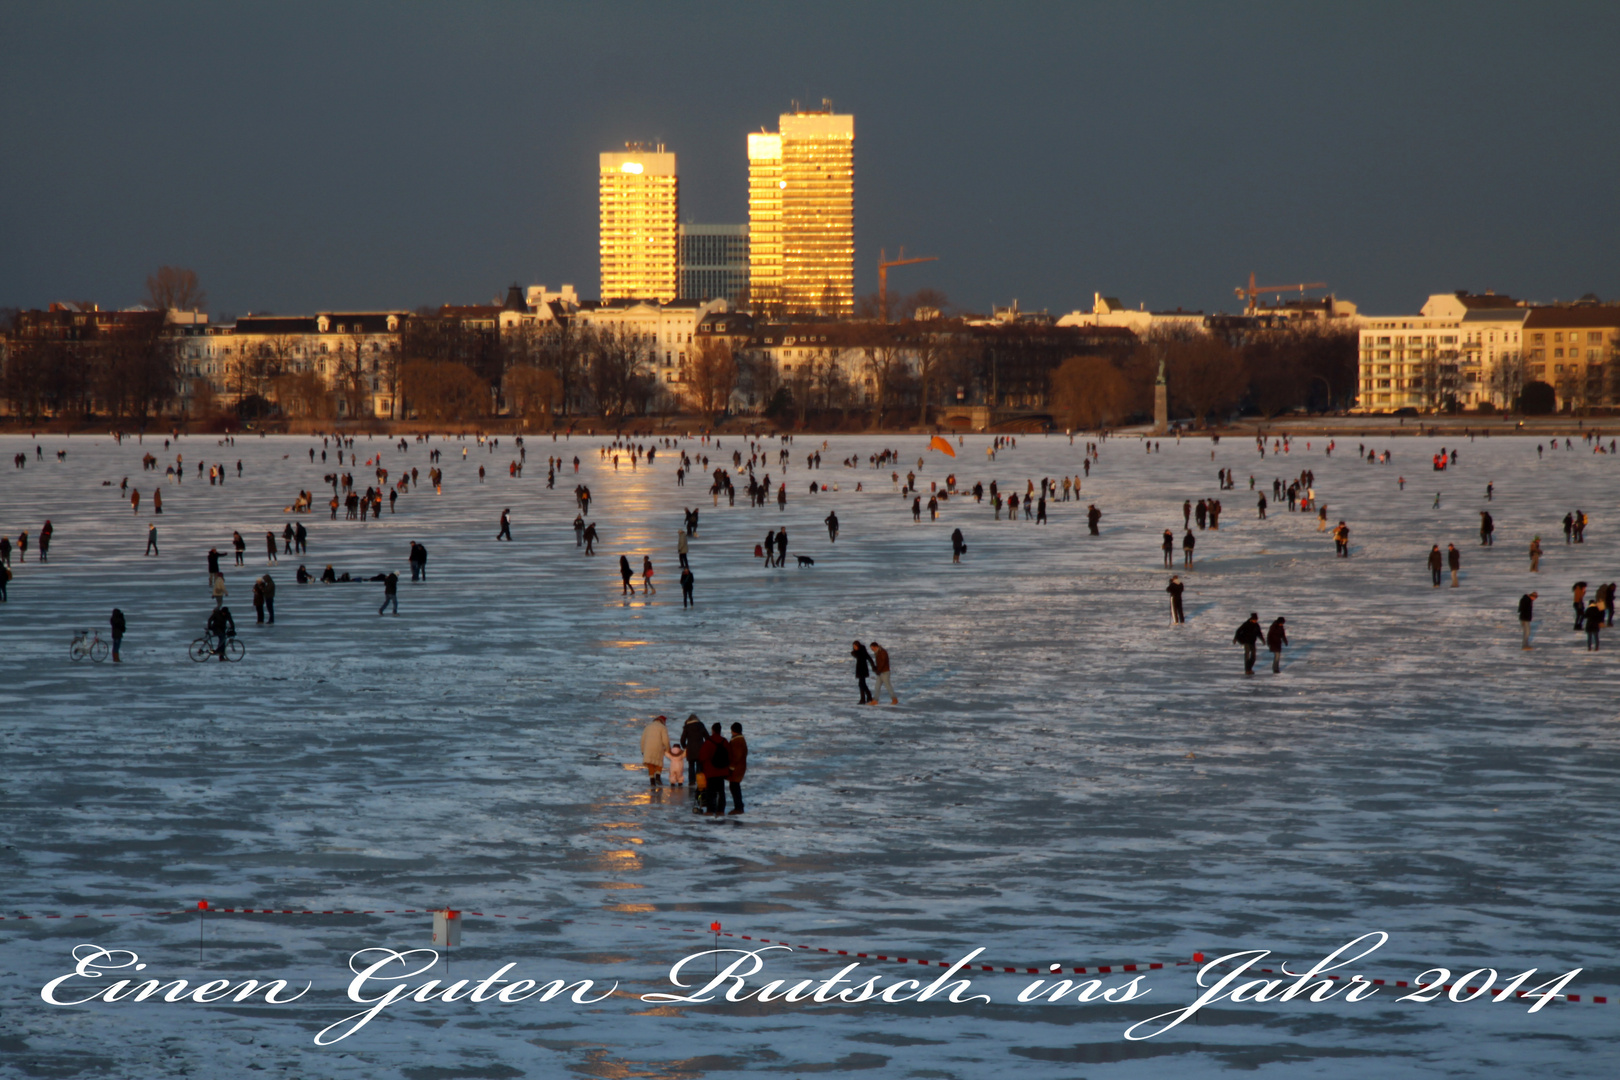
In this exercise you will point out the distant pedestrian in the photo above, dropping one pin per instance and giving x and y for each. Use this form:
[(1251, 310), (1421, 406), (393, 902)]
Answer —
[(1437, 564), (737, 755), (1175, 589), (151, 540), (1535, 555), (1527, 612), (686, 588), (1093, 517), (626, 573), (270, 547), (118, 624), (1487, 526), (1454, 561), (647, 576), (1249, 636), (506, 525), (1594, 625), (590, 539), (681, 547), (1188, 542), (1578, 593), (239, 546), (832, 527), (390, 594), (880, 666), (1168, 546), (1276, 641), (217, 587), (958, 545), (268, 585)]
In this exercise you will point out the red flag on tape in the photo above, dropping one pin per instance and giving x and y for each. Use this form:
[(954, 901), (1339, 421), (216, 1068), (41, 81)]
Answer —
[(202, 905), (1198, 958), (715, 927)]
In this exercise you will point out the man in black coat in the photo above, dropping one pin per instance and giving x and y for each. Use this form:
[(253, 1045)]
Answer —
[(1093, 516), (1175, 589), (1248, 635), (1527, 612), (863, 668)]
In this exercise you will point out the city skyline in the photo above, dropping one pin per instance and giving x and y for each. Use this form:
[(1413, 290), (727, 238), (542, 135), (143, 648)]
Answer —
[(1158, 155)]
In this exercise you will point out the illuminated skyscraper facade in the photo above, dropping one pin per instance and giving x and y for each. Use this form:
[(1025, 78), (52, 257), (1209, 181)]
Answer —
[(640, 219), (801, 216)]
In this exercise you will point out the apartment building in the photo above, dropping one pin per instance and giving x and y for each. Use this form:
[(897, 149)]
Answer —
[(1453, 350)]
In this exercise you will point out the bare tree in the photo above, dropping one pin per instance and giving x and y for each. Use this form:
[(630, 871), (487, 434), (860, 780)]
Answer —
[(883, 351), (532, 391), (932, 353), (350, 378), (175, 288), (618, 370), (1507, 378), (1206, 376), (713, 376), (1090, 392)]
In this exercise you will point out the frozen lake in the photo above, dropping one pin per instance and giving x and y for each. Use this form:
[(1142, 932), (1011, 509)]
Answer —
[(1068, 779)]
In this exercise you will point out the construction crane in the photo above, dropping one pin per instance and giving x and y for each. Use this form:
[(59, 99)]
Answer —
[(884, 262), (1253, 292)]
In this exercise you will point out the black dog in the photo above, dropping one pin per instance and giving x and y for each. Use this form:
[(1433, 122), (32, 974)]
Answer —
[(805, 560)]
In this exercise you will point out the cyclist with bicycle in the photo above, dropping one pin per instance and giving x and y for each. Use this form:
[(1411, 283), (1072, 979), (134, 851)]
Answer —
[(221, 628)]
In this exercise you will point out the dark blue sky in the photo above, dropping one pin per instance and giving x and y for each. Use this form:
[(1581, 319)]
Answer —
[(390, 155)]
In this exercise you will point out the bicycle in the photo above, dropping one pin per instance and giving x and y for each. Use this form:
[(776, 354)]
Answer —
[(203, 649), (95, 648)]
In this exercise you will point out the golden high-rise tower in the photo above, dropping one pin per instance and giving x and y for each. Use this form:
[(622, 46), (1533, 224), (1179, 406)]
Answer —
[(801, 215), (640, 224)]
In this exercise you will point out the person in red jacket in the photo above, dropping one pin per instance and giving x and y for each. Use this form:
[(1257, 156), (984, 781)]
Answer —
[(714, 758)]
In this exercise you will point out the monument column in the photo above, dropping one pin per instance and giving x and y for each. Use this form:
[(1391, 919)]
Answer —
[(1161, 402)]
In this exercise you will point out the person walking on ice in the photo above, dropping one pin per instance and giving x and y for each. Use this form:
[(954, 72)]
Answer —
[(1527, 612), (654, 747), (1187, 543), (880, 666), (506, 525), (1249, 636), (863, 668), (390, 594), (151, 540), (1168, 547), (626, 574), (1454, 561), (1436, 564), (1175, 589), (1276, 641)]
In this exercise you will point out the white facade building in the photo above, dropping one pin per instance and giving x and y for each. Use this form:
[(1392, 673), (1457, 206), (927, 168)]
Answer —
[(1449, 350), (669, 328)]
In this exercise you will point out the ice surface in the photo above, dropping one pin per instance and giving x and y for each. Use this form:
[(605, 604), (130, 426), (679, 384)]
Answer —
[(1069, 779)]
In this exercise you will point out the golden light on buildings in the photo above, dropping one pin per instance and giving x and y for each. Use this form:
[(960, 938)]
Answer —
[(801, 215), (640, 219)]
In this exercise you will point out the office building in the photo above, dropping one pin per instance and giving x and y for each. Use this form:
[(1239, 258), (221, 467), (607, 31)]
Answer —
[(801, 215), (714, 263), (640, 215)]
